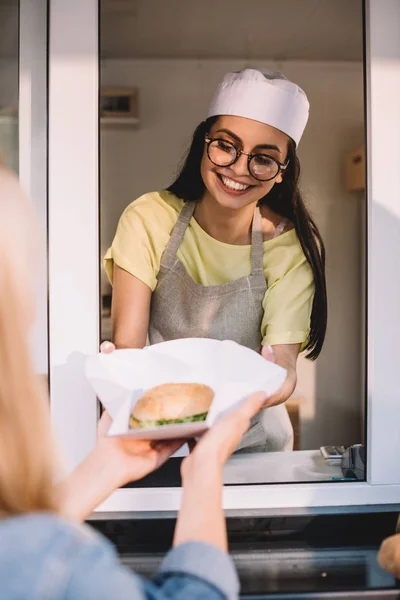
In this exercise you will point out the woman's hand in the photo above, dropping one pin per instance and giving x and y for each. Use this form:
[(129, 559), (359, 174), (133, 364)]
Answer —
[(284, 355), (107, 347), (268, 353), (389, 555)]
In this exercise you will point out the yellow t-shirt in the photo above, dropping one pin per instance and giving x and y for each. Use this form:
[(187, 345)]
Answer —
[(143, 233)]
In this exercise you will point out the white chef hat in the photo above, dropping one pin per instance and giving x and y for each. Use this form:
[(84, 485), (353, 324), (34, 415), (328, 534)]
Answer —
[(264, 96)]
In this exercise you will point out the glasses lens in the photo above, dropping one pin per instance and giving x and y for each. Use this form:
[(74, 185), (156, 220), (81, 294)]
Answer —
[(263, 167), (222, 153)]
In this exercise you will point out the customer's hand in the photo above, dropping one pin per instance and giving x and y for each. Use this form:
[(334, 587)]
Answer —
[(389, 555), (131, 459), (113, 462), (217, 445)]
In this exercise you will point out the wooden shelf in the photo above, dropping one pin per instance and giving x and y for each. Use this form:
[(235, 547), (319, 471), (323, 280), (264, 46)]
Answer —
[(119, 121)]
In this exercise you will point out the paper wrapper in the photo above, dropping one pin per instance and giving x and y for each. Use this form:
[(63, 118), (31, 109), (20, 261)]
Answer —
[(232, 371)]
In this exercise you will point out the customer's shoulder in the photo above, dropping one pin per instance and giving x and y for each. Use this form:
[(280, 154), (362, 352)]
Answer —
[(40, 529), (44, 552)]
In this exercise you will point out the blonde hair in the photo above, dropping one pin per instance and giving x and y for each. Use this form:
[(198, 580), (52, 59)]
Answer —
[(26, 450)]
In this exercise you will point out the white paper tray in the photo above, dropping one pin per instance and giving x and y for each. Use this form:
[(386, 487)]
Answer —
[(232, 371)]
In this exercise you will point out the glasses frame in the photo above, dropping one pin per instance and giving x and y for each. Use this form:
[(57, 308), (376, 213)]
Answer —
[(250, 156)]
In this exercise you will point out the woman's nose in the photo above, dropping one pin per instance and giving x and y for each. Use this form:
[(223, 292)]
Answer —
[(240, 167)]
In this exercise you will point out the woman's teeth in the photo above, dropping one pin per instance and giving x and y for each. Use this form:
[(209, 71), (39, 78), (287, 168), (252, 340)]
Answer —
[(233, 185)]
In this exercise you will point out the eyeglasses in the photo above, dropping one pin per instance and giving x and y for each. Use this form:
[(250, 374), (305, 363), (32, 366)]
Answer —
[(261, 166)]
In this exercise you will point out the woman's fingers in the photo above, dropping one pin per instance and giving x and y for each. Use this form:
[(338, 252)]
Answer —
[(103, 424), (267, 352), (107, 347)]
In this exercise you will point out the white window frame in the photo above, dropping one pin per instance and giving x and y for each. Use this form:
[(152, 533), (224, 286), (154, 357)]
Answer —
[(74, 269)]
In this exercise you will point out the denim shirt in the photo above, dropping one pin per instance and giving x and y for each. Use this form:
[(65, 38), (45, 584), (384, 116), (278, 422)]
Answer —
[(43, 557)]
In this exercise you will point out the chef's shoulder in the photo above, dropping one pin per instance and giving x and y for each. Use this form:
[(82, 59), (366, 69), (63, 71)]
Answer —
[(153, 211)]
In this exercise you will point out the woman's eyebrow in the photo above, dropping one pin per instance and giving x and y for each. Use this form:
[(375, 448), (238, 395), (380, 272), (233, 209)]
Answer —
[(231, 134), (269, 147), (260, 146)]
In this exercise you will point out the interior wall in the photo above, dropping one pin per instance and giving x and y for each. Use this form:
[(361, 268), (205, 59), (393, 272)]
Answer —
[(8, 82), (174, 96), (9, 98)]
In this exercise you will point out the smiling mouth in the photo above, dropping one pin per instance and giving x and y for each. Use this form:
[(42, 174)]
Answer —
[(232, 185)]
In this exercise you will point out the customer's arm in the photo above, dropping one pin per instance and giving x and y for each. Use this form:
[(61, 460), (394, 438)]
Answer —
[(201, 516), (194, 571), (198, 567)]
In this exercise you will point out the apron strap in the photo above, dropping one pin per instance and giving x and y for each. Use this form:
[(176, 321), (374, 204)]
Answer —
[(257, 250), (169, 257)]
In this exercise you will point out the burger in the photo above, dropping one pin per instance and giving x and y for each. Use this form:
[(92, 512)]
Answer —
[(172, 403)]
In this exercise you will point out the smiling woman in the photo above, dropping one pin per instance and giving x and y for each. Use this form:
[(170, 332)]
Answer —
[(229, 250)]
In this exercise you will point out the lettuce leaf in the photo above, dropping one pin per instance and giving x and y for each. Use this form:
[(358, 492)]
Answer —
[(145, 424)]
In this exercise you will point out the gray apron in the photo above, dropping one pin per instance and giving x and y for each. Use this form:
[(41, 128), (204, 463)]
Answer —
[(182, 308)]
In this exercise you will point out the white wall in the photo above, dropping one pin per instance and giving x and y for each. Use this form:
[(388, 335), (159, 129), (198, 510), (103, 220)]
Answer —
[(174, 95)]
